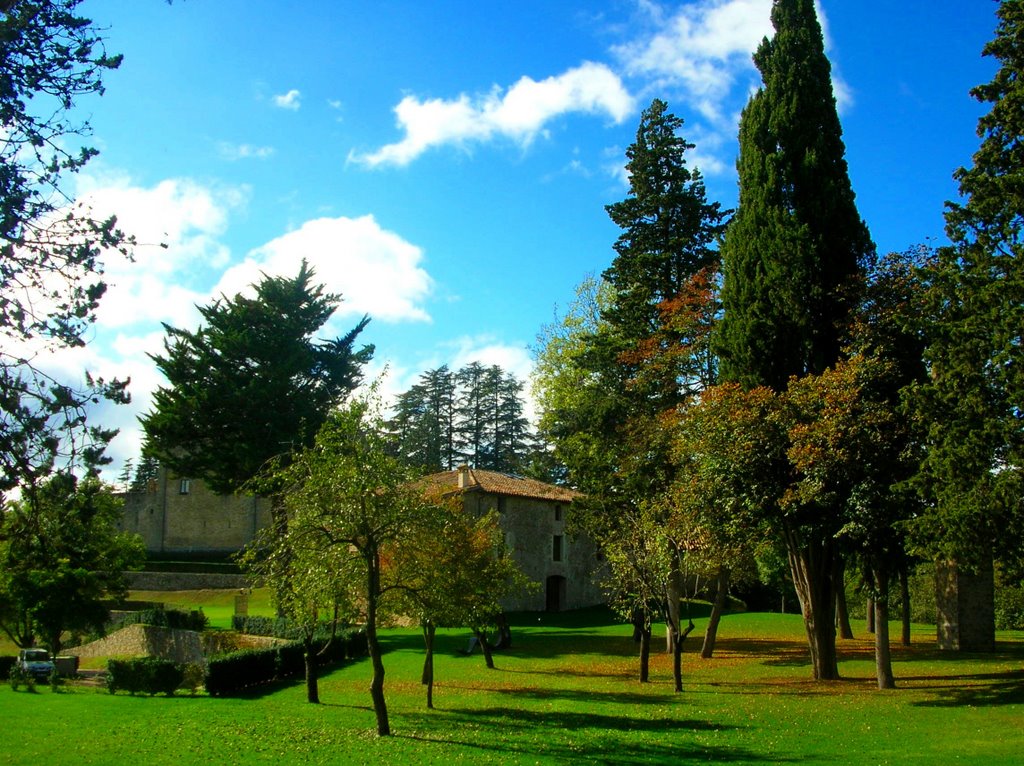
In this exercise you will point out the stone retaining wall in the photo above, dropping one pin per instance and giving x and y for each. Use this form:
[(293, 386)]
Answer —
[(185, 581), (182, 646)]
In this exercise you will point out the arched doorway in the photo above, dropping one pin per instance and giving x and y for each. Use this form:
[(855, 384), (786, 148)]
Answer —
[(555, 594)]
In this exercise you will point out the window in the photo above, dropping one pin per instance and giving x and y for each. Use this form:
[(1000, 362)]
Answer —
[(501, 505), (558, 513), (185, 487), (556, 548)]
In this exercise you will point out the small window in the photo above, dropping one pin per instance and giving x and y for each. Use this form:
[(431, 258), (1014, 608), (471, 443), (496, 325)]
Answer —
[(185, 487), (558, 513), (501, 505), (556, 548)]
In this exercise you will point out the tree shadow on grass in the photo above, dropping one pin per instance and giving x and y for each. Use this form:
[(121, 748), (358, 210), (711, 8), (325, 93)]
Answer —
[(505, 730), (974, 690)]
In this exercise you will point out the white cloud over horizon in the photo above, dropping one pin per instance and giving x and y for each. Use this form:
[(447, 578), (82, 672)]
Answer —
[(520, 113)]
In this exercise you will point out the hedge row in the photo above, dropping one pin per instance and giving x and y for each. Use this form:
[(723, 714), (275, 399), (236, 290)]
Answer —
[(148, 675), (164, 618), (277, 627), (234, 672), (7, 662)]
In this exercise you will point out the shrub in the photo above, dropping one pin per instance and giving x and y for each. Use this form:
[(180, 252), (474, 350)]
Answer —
[(144, 674), (194, 675), (1009, 608), (278, 627), (176, 619), (234, 672), (7, 661)]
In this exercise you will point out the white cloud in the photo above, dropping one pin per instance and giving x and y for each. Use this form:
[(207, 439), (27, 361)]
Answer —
[(234, 152), (177, 225), (520, 113), (703, 47), (376, 271), (291, 100)]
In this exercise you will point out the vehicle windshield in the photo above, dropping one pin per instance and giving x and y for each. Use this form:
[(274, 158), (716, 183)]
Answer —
[(37, 655)]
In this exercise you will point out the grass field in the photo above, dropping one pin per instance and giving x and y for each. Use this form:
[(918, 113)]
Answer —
[(565, 693)]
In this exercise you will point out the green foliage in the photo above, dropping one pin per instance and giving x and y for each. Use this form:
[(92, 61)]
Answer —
[(279, 627), (51, 281), (175, 619), (231, 673), (61, 556), (146, 675), (474, 415), (796, 245), (251, 383), (972, 474)]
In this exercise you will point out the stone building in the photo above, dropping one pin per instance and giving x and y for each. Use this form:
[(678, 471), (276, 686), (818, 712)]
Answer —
[(533, 517), (181, 516)]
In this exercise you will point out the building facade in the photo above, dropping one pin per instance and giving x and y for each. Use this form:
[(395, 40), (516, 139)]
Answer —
[(533, 517), (181, 516)]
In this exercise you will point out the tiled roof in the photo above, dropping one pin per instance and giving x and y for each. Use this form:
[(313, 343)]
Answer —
[(496, 483)]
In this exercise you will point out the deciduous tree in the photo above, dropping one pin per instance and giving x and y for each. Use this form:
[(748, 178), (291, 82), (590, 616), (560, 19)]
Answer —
[(61, 557), (50, 248), (792, 259)]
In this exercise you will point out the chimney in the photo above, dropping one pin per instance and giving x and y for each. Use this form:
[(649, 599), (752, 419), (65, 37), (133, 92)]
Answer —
[(465, 477)]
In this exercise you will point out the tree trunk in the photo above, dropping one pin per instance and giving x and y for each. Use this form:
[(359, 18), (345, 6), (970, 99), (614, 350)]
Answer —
[(312, 684), (883, 657), (429, 629), (380, 707), (812, 568), (485, 646), (674, 594), (870, 615), (717, 608), (905, 599), (678, 637), (645, 651), (842, 610)]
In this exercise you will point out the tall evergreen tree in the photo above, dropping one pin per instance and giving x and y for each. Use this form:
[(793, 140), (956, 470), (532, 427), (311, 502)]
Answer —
[(423, 428), (252, 382), (974, 399), (792, 258), (796, 246)]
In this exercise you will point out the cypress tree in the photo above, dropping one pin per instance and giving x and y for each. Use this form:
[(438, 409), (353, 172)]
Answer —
[(792, 258), (796, 245)]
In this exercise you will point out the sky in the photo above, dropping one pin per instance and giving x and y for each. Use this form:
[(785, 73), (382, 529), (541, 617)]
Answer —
[(445, 165)]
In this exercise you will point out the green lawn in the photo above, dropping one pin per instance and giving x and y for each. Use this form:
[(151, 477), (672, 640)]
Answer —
[(565, 694)]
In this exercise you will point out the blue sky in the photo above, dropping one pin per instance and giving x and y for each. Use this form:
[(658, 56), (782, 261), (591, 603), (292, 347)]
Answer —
[(445, 165)]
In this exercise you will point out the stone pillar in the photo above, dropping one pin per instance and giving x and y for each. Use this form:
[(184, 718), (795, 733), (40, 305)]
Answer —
[(965, 607)]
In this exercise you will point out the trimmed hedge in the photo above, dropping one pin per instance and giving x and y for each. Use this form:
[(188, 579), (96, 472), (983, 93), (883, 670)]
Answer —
[(163, 618), (148, 675), (7, 662), (278, 627), (232, 673)]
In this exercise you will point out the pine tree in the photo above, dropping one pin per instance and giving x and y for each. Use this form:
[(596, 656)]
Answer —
[(792, 258), (252, 383)]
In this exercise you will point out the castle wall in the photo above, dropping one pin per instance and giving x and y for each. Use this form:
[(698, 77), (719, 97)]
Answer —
[(178, 515)]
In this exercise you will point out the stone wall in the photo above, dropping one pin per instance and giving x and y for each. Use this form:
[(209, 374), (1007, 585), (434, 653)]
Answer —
[(180, 515), (185, 581), (182, 646)]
